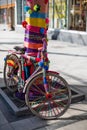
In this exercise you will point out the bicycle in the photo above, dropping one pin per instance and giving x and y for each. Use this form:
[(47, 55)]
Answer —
[(47, 94)]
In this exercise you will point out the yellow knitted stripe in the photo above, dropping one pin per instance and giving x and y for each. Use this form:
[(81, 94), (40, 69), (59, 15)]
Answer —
[(10, 62), (37, 22)]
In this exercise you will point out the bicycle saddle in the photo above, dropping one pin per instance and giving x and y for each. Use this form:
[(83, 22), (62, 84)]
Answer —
[(21, 49)]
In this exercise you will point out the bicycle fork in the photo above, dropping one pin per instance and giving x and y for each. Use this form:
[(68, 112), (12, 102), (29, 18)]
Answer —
[(48, 95)]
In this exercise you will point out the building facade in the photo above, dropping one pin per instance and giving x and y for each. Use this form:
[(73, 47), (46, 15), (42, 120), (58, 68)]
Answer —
[(63, 14), (7, 13)]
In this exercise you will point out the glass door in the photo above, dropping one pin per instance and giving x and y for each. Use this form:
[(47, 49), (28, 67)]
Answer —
[(78, 15), (58, 13)]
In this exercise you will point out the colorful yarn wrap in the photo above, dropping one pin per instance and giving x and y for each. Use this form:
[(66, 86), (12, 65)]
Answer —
[(35, 24)]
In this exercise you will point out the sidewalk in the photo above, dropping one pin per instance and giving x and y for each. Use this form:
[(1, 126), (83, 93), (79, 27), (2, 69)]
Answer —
[(70, 60)]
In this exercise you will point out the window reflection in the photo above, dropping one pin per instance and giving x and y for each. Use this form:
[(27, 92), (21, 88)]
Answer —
[(78, 11), (20, 10), (57, 13)]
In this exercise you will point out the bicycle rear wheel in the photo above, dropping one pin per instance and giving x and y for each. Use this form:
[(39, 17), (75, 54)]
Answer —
[(54, 104), (12, 70)]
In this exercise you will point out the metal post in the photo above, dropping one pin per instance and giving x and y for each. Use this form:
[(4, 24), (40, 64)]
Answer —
[(7, 14), (67, 13), (73, 13), (11, 16), (22, 10), (86, 19), (53, 2)]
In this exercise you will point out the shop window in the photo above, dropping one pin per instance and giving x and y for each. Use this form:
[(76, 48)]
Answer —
[(20, 10), (78, 15), (50, 13), (57, 13), (2, 16)]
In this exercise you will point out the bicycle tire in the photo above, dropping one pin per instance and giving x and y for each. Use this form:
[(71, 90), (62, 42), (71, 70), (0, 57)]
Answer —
[(11, 74), (39, 104)]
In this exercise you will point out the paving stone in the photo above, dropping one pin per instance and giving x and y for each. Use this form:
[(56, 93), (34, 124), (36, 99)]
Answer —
[(80, 125), (80, 106), (6, 127), (59, 124), (25, 124), (78, 109), (3, 120)]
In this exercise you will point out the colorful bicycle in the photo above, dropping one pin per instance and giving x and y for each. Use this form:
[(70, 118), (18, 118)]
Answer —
[(46, 93)]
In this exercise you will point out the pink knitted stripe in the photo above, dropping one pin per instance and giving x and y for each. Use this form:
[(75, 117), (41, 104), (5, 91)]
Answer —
[(35, 29)]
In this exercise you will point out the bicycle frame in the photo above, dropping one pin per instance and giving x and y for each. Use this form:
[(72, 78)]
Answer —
[(43, 66)]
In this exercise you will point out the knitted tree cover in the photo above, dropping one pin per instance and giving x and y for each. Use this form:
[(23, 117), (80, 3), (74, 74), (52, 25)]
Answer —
[(35, 24)]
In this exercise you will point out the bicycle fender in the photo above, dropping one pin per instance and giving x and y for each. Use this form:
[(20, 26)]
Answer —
[(53, 72), (25, 87)]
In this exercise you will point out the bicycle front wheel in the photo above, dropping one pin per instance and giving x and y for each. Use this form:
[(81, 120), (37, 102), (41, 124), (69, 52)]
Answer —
[(12, 70), (54, 104)]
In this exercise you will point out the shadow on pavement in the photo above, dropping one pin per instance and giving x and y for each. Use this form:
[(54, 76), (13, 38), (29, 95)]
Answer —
[(11, 43), (74, 77), (67, 54)]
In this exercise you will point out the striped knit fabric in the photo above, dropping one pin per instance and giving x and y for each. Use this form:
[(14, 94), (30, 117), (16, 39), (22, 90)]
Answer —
[(36, 28)]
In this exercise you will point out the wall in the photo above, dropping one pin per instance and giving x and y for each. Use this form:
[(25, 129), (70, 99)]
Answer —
[(71, 36)]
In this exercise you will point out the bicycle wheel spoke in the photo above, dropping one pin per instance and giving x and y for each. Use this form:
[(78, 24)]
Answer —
[(61, 99), (39, 89), (40, 105), (62, 102), (58, 107), (37, 98), (35, 89), (60, 92), (53, 81), (50, 110), (53, 110)]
